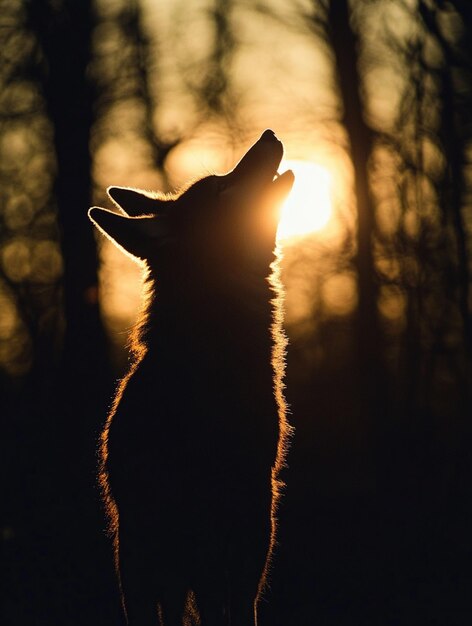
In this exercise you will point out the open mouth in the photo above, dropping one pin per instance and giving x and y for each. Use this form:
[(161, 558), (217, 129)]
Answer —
[(261, 162), (258, 170), (284, 179), (269, 149)]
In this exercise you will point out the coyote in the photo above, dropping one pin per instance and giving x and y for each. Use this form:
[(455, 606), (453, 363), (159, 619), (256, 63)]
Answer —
[(197, 434)]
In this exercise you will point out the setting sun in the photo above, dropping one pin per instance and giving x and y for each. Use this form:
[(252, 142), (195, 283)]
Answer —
[(308, 207)]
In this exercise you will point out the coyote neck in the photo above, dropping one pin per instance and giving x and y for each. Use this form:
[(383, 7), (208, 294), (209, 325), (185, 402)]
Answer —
[(175, 322)]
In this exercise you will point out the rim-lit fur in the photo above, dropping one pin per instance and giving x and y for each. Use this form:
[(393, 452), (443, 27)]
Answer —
[(180, 241)]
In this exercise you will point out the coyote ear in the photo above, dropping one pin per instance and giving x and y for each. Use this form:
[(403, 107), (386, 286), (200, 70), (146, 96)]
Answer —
[(134, 202), (137, 236)]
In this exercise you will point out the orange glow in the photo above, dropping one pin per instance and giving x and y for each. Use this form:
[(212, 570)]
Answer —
[(308, 207)]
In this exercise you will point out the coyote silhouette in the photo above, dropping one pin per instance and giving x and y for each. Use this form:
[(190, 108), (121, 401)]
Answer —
[(192, 448)]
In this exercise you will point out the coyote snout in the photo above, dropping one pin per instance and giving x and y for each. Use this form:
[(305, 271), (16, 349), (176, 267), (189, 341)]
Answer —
[(192, 448)]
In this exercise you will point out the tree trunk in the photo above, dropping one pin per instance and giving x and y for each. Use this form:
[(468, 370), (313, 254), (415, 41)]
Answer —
[(65, 37), (345, 47)]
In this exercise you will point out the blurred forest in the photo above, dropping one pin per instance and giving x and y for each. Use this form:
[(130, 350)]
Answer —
[(376, 522)]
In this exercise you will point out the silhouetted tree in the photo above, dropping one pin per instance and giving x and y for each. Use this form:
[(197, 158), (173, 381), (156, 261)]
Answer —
[(64, 39), (55, 290), (431, 137), (126, 70), (454, 134), (345, 45), (210, 80)]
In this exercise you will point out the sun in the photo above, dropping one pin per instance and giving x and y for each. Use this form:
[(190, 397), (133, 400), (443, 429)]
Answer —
[(308, 208)]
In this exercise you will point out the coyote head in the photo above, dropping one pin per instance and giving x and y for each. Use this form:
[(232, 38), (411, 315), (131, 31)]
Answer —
[(218, 221)]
